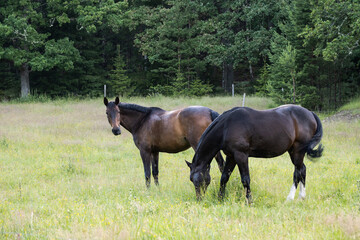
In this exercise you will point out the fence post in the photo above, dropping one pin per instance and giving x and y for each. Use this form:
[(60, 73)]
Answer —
[(232, 90), (104, 90), (243, 104)]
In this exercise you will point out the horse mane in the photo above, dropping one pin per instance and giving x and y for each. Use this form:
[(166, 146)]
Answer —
[(138, 108), (146, 112)]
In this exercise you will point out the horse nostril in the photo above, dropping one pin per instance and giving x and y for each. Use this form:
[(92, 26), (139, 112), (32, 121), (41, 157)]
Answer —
[(116, 131)]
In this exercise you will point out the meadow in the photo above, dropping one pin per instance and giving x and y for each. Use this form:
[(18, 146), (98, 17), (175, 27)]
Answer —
[(64, 175)]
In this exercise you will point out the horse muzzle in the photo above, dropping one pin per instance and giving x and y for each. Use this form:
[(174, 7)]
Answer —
[(116, 131), (200, 192)]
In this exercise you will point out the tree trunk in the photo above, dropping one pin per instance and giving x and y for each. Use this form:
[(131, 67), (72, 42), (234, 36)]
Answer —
[(251, 72), (179, 56), (25, 81), (294, 94), (228, 77)]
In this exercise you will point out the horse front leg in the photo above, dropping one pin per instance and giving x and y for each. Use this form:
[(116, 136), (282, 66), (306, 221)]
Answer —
[(228, 169), (146, 158), (155, 167), (241, 159)]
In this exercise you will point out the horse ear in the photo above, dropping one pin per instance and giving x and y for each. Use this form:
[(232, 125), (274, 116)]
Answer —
[(189, 164), (106, 102), (117, 100)]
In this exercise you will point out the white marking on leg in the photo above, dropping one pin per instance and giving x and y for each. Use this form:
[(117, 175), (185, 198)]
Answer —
[(302, 192), (291, 195)]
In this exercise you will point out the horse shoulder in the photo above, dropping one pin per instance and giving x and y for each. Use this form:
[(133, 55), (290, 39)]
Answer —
[(147, 131)]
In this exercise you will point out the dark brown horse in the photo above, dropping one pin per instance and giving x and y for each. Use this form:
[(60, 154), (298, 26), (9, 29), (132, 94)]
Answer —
[(244, 132), (155, 130)]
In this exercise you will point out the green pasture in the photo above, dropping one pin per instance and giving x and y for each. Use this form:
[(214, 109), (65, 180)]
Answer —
[(64, 175)]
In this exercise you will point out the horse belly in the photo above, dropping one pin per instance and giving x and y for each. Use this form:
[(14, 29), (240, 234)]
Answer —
[(259, 153), (270, 148), (173, 146)]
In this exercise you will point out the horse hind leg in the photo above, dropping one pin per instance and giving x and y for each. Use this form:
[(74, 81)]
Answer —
[(299, 176), (299, 179), (302, 193)]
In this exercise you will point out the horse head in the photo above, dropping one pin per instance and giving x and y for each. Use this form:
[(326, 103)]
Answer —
[(200, 177), (113, 115)]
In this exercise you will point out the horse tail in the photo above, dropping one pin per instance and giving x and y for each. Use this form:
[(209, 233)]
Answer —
[(311, 152), (213, 114)]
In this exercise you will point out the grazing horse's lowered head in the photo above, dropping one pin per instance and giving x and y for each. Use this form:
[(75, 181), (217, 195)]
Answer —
[(200, 179), (113, 115)]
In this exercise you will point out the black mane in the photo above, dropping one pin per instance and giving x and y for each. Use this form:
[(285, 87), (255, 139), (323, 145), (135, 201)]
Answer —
[(145, 111), (138, 108)]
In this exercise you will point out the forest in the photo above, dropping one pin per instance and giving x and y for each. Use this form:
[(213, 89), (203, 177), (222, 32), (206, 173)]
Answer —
[(294, 51)]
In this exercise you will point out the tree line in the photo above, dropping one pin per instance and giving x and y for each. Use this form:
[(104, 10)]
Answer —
[(295, 51)]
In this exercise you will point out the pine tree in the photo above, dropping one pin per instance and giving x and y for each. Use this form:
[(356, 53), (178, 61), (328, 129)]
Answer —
[(119, 82), (282, 83), (294, 72)]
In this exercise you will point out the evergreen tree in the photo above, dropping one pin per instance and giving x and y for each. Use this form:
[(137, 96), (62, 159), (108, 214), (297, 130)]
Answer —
[(171, 38), (299, 51), (241, 39), (335, 26), (29, 39), (293, 68), (26, 42), (119, 82), (282, 83)]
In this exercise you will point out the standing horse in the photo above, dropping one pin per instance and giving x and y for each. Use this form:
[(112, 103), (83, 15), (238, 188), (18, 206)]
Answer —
[(244, 132), (155, 130)]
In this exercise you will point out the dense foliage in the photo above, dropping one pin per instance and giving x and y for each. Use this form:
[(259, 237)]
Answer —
[(296, 51)]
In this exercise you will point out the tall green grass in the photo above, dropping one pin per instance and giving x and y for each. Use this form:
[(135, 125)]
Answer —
[(64, 175), (353, 106)]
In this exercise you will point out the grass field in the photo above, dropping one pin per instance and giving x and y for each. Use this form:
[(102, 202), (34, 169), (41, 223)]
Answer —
[(64, 175)]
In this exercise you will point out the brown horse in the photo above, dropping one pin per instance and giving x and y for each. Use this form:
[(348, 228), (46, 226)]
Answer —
[(155, 130), (244, 132)]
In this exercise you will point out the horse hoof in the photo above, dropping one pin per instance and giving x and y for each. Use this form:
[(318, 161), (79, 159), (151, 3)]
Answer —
[(289, 199), (221, 197), (249, 201), (301, 197)]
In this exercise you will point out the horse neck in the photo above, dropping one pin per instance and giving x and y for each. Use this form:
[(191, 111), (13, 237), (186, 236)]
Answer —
[(207, 149), (131, 118)]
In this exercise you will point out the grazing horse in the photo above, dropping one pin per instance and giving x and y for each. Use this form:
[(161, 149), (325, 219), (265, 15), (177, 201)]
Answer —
[(244, 132), (155, 130)]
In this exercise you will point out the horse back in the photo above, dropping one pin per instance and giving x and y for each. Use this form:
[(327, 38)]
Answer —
[(193, 122), (175, 131), (268, 133)]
